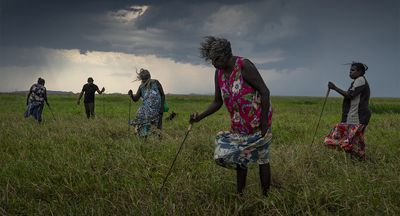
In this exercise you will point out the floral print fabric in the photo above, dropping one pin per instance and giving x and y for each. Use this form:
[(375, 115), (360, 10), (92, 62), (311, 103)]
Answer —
[(38, 93), (149, 113), (242, 101), (234, 149), (35, 111), (349, 137), (36, 102), (244, 143)]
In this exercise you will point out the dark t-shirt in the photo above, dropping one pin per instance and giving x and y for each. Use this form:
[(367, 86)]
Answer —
[(355, 109), (89, 89)]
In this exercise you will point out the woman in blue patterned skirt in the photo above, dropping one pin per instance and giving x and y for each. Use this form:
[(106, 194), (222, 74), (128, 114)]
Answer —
[(151, 112)]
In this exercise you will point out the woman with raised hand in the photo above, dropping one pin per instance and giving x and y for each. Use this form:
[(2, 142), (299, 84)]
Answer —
[(240, 86), (89, 90), (151, 112), (349, 133)]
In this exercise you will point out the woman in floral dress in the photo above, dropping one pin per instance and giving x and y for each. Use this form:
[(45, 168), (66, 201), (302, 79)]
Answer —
[(35, 100), (151, 112), (240, 86)]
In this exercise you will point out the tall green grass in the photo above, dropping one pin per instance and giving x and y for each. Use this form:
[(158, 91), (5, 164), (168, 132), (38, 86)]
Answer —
[(393, 108), (75, 166)]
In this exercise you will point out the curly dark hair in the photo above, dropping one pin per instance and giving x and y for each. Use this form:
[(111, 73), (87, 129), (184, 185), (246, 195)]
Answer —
[(213, 47), (360, 66), (41, 81), (143, 74)]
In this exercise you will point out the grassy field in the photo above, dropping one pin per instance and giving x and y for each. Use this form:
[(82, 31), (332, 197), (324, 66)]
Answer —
[(75, 166)]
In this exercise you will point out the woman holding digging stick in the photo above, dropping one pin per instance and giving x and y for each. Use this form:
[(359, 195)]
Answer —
[(240, 86), (349, 133), (35, 100)]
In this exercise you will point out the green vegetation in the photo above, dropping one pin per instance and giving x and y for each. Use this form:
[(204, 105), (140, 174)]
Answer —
[(75, 166), (393, 107)]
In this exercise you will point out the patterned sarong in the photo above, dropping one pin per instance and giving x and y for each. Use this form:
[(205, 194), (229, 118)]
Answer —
[(35, 110), (234, 149), (349, 137), (149, 113), (143, 125)]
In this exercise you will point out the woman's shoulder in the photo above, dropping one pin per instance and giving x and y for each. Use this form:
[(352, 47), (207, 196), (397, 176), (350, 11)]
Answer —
[(246, 61), (359, 81), (154, 81)]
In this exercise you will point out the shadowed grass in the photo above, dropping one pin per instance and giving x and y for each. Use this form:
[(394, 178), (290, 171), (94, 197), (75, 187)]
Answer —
[(385, 108), (77, 166)]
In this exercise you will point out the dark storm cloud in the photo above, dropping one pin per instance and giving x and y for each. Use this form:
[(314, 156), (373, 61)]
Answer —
[(81, 25), (287, 36), (53, 24)]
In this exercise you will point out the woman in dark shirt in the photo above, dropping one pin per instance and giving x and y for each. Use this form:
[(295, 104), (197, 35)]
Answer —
[(349, 133)]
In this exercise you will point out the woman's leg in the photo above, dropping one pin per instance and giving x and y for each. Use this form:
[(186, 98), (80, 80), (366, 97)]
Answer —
[(39, 113), (359, 143), (159, 125), (28, 111), (87, 110), (91, 107), (265, 177), (241, 174)]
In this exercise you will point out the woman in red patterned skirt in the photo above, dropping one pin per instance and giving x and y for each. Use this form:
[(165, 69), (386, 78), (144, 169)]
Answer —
[(349, 133)]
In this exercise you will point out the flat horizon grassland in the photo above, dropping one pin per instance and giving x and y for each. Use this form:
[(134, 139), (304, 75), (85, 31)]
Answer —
[(75, 166)]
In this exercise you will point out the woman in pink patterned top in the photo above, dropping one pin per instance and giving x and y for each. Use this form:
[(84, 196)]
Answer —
[(240, 86)]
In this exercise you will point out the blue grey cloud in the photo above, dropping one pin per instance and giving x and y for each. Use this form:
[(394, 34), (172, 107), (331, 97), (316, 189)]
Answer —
[(288, 36)]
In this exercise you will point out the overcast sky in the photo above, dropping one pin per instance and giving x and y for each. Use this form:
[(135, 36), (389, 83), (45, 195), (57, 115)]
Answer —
[(297, 45)]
